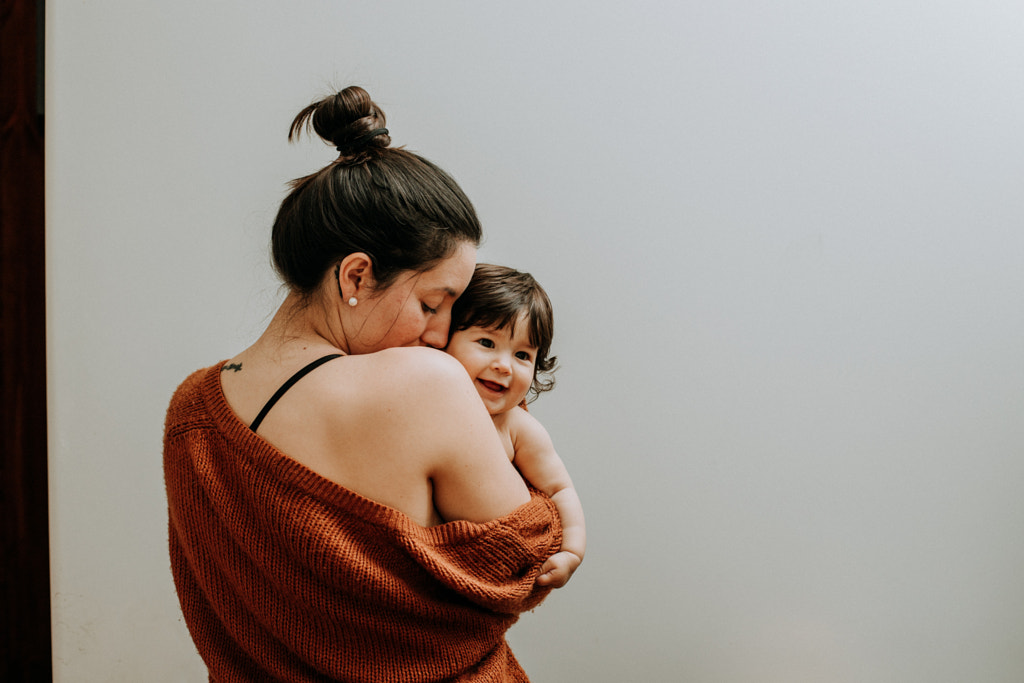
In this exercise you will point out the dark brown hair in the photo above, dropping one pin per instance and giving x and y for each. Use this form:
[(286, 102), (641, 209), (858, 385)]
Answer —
[(495, 298), (394, 205)]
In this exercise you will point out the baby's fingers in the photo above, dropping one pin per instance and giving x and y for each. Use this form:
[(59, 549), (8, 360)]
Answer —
[(556, 571), (555, 577)]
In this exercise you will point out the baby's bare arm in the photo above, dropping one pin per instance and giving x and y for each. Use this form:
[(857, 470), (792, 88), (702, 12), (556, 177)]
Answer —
[(537, 461)]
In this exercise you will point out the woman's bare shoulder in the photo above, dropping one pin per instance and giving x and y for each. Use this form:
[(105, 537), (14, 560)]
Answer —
[(424, 358), (415, 414), (411, 375)]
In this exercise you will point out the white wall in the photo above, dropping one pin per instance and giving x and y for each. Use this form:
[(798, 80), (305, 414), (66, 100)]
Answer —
[(784, 240)]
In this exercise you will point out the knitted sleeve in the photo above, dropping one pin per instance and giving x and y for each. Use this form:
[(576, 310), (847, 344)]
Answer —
[(493, 564)]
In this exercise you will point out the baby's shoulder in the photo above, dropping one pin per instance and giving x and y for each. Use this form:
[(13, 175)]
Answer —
[(523, 428), (518, 417)]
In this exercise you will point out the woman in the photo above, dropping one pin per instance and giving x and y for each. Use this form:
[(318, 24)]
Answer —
[(341, 507)]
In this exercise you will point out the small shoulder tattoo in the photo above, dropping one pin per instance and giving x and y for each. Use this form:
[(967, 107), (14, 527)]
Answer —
[(232, 366)]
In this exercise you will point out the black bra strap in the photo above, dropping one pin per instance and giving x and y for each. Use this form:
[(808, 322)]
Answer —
[(288, 385)]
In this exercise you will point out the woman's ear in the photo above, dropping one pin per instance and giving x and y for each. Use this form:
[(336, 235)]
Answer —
[(355, 276)]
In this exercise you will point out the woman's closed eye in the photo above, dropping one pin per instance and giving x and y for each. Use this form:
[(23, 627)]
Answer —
[(428, 309)]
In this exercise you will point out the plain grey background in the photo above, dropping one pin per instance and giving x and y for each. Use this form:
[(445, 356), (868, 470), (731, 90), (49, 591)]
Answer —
[(784, 241)]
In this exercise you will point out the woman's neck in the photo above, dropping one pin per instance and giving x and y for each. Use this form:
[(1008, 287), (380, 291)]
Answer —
[(298, 325)]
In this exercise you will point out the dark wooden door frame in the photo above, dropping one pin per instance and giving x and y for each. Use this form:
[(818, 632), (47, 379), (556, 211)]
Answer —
[(25, 650)]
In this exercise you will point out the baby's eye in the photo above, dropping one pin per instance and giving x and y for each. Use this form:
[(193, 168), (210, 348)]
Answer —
[(524, 355), (428, 309), (485, 342)]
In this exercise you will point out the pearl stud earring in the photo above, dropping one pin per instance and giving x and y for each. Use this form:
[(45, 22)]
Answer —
[(352, 301)]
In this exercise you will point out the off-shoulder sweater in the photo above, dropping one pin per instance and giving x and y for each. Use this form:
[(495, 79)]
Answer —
[(283, 575)]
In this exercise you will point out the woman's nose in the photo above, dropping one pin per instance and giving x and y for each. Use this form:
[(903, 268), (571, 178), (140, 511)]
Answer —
[(436, 334)]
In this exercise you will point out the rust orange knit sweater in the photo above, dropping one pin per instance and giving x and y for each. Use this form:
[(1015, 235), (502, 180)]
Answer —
[(283, 575)]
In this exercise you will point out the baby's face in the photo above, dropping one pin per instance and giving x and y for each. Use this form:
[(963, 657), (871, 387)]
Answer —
[(500, 363)]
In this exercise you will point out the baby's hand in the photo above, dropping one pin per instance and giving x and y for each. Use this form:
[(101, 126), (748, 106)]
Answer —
[(559, 568)]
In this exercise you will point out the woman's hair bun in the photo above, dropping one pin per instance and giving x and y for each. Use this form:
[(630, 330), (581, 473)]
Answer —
[(348, 120), (396, 207)]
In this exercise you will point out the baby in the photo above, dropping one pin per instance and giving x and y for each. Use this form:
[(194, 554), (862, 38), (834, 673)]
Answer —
[(501, 332)]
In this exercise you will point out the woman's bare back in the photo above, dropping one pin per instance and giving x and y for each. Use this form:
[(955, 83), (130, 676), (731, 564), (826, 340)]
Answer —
[(380, 425)]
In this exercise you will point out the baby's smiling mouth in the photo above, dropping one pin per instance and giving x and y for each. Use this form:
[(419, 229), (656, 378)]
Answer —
[(493, 386)]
